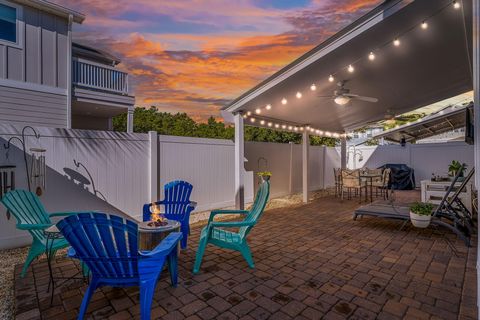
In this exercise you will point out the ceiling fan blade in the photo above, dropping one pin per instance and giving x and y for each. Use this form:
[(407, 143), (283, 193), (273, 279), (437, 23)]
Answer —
[(331, 97), (356, 96)]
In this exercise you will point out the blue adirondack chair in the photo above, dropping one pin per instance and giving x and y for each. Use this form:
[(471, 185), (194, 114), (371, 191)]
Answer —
[(32, 217), (108, 245), (215, 234), (177, 206)]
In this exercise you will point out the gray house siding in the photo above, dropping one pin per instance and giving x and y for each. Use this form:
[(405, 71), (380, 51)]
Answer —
[(25, 107), (33, 75)]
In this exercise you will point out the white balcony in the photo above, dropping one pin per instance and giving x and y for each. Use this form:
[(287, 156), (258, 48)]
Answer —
[(88, 74)]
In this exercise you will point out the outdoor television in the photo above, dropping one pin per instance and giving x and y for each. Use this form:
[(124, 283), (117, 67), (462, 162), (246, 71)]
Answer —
[(469, 130)]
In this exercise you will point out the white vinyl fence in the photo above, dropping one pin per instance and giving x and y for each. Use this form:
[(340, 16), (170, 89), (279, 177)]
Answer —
[(425, 159), (285, 163)]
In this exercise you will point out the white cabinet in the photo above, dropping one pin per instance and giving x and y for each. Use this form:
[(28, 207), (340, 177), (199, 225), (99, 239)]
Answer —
[(434, 191)]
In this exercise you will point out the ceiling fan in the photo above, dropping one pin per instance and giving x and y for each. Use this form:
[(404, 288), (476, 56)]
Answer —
[(342, 95)]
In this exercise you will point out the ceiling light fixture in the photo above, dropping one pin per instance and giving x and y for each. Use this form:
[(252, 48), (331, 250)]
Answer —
[(342, 100)]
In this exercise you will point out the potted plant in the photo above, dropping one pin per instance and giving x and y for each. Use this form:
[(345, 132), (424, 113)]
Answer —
[(455, 167), (421, 214), (264, 175)]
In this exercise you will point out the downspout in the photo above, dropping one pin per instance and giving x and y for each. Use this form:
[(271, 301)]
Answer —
[(69, 72)]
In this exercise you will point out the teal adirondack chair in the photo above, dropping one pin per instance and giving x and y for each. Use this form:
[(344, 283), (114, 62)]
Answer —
[(215, 234), (32, 217)]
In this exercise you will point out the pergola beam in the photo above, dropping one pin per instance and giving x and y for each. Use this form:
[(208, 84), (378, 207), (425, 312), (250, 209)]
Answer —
[(305, 147), (239, 162), (476, 99)]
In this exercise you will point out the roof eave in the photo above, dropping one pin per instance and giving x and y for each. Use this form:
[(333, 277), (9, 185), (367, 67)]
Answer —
[(54, 9)]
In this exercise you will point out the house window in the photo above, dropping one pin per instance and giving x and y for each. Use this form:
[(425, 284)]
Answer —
[(8, 23)]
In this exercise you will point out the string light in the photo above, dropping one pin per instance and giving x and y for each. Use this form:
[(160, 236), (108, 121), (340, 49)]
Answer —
[(371, 56)]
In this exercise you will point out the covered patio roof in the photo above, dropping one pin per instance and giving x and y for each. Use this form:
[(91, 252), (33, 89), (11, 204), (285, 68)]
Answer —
[(446, 120), (432, 62)]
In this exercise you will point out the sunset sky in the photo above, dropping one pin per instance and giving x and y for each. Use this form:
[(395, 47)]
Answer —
[(193, 56)]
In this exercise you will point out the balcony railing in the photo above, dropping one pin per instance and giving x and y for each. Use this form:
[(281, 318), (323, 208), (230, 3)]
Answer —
[(99, 77)]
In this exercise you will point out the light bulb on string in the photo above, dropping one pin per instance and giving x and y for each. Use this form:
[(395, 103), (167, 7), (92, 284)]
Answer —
[(456, 4), (396, 42), (424, 25), (268, 106), (262, 122), (249, 113), (313, 87), (258, 111), (277, 125), (298, 95), (252, 120), (351, 68), (284, 101), (331, 78), (269, 124), (371, 56)]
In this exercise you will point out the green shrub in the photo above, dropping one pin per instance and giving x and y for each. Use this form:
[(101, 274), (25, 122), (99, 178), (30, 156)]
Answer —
[(422, 208)]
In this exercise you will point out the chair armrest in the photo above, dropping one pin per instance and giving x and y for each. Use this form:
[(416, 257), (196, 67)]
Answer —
[(165, 247), (193, 204), (33, 226), (215, 212), (64, 214), (233, 224)]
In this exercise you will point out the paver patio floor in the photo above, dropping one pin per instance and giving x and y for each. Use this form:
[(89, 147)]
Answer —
[(312, 262)]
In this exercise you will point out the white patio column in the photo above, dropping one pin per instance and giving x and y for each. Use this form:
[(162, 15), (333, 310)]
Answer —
[(343, 153), (130, 119), (239, 162), (153, 166), (305, 146), (476, 99)]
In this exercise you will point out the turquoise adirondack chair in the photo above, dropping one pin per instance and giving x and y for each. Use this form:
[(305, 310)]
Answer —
[(32, 217), (215, 234)]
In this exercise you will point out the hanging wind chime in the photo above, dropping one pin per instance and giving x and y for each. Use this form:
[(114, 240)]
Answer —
[(38, 170)]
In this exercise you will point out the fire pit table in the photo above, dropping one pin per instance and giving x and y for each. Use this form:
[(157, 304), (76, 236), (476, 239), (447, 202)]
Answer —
[(151, 235)]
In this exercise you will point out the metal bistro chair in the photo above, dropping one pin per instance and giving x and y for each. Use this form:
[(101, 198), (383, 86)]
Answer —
[(337, 173), (351, 181)]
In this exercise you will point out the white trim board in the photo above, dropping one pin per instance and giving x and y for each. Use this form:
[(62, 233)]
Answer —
[(32, 87)]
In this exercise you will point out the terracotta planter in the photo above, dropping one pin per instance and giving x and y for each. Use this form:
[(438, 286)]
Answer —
[(420, 221)]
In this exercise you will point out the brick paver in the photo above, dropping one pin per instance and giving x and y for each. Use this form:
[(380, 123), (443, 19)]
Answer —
[(312, 262)]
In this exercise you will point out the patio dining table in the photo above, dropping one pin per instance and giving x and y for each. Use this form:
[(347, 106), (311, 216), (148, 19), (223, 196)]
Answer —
[(368, 177)]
